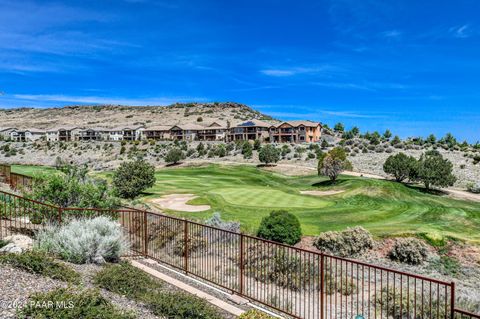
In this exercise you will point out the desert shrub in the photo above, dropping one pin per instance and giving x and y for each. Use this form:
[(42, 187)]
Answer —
[(220, 151), (161, 232), (174, 156), (447, 265), (344, 286), (400, 306), (73, 188), (68, 304), (126, 280), (290, 272), (3, 242), (216, 221), (255, 314), (269, 154), (40, 263), (195, 243), (474, 187), (275, 265), (257, 144), (409, 250), (247, 150), (280, 226), (132, 178), (348, 243), (85, 240), (179, 305)]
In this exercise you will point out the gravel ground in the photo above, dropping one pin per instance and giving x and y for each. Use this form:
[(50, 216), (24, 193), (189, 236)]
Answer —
[(192, 283), (16, 285)]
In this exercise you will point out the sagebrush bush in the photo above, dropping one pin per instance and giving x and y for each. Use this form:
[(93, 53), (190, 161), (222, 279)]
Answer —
[(85, 240), (255, 314), (347, 243), (474, 187), (334, 284), (280, 226), (217, 221), (400, 306), (69, 304), (126, 280), (179, 305), (409, 250), (41, 264), (280, 268), (195, 243)]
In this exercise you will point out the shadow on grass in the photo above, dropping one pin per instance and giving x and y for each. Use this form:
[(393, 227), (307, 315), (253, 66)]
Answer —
[(327, 183), (266, 165), (173, 164), (421, 189)]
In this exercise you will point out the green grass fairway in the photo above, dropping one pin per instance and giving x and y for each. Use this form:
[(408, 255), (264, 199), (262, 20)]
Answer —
[(246, 194), (31, 170)]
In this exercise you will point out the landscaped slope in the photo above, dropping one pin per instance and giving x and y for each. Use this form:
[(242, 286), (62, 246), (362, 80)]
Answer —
[(386, 208)]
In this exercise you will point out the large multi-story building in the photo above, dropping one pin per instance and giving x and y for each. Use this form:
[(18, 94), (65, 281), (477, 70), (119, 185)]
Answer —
[(284, 132), (249, 130), (295, 132)]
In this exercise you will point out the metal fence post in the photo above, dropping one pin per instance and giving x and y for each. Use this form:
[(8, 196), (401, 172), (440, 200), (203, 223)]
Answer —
[(145, 234), (185, 244), (60, 212), (322, 284), (242, 266), (452, 300)]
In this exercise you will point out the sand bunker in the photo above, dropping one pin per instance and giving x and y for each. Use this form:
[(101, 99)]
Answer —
[(322, 193), (179, 202)]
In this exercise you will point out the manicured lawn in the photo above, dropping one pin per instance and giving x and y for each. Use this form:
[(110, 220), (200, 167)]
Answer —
[(31, 170), (247, 194)]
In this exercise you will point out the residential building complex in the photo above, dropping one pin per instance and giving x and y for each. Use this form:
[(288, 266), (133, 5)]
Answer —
[(284, 132)]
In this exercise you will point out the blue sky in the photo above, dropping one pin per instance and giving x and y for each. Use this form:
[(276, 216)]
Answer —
[(411, 66)]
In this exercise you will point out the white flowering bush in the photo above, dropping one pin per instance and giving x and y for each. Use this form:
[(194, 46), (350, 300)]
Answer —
[(84, 240)]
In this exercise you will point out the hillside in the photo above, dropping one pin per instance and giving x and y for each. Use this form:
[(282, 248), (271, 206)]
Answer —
[(111, 116)]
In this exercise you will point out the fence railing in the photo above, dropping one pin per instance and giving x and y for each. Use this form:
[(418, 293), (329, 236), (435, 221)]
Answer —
[(461, 314), (297, 282)]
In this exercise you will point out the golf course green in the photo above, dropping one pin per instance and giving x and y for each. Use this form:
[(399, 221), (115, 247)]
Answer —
[(246, 194)]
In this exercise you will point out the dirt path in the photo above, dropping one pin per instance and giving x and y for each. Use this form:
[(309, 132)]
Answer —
[(461, 194), (178, 202)]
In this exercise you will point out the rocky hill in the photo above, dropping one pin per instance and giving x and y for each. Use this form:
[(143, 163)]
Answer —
[(111, 116)]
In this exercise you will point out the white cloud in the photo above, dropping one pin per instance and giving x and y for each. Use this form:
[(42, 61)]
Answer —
[(463, 31), (291, 71), (392, 34)]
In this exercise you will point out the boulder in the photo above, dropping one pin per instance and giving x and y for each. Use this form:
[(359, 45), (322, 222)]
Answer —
[(21, 241), (11, 248)]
